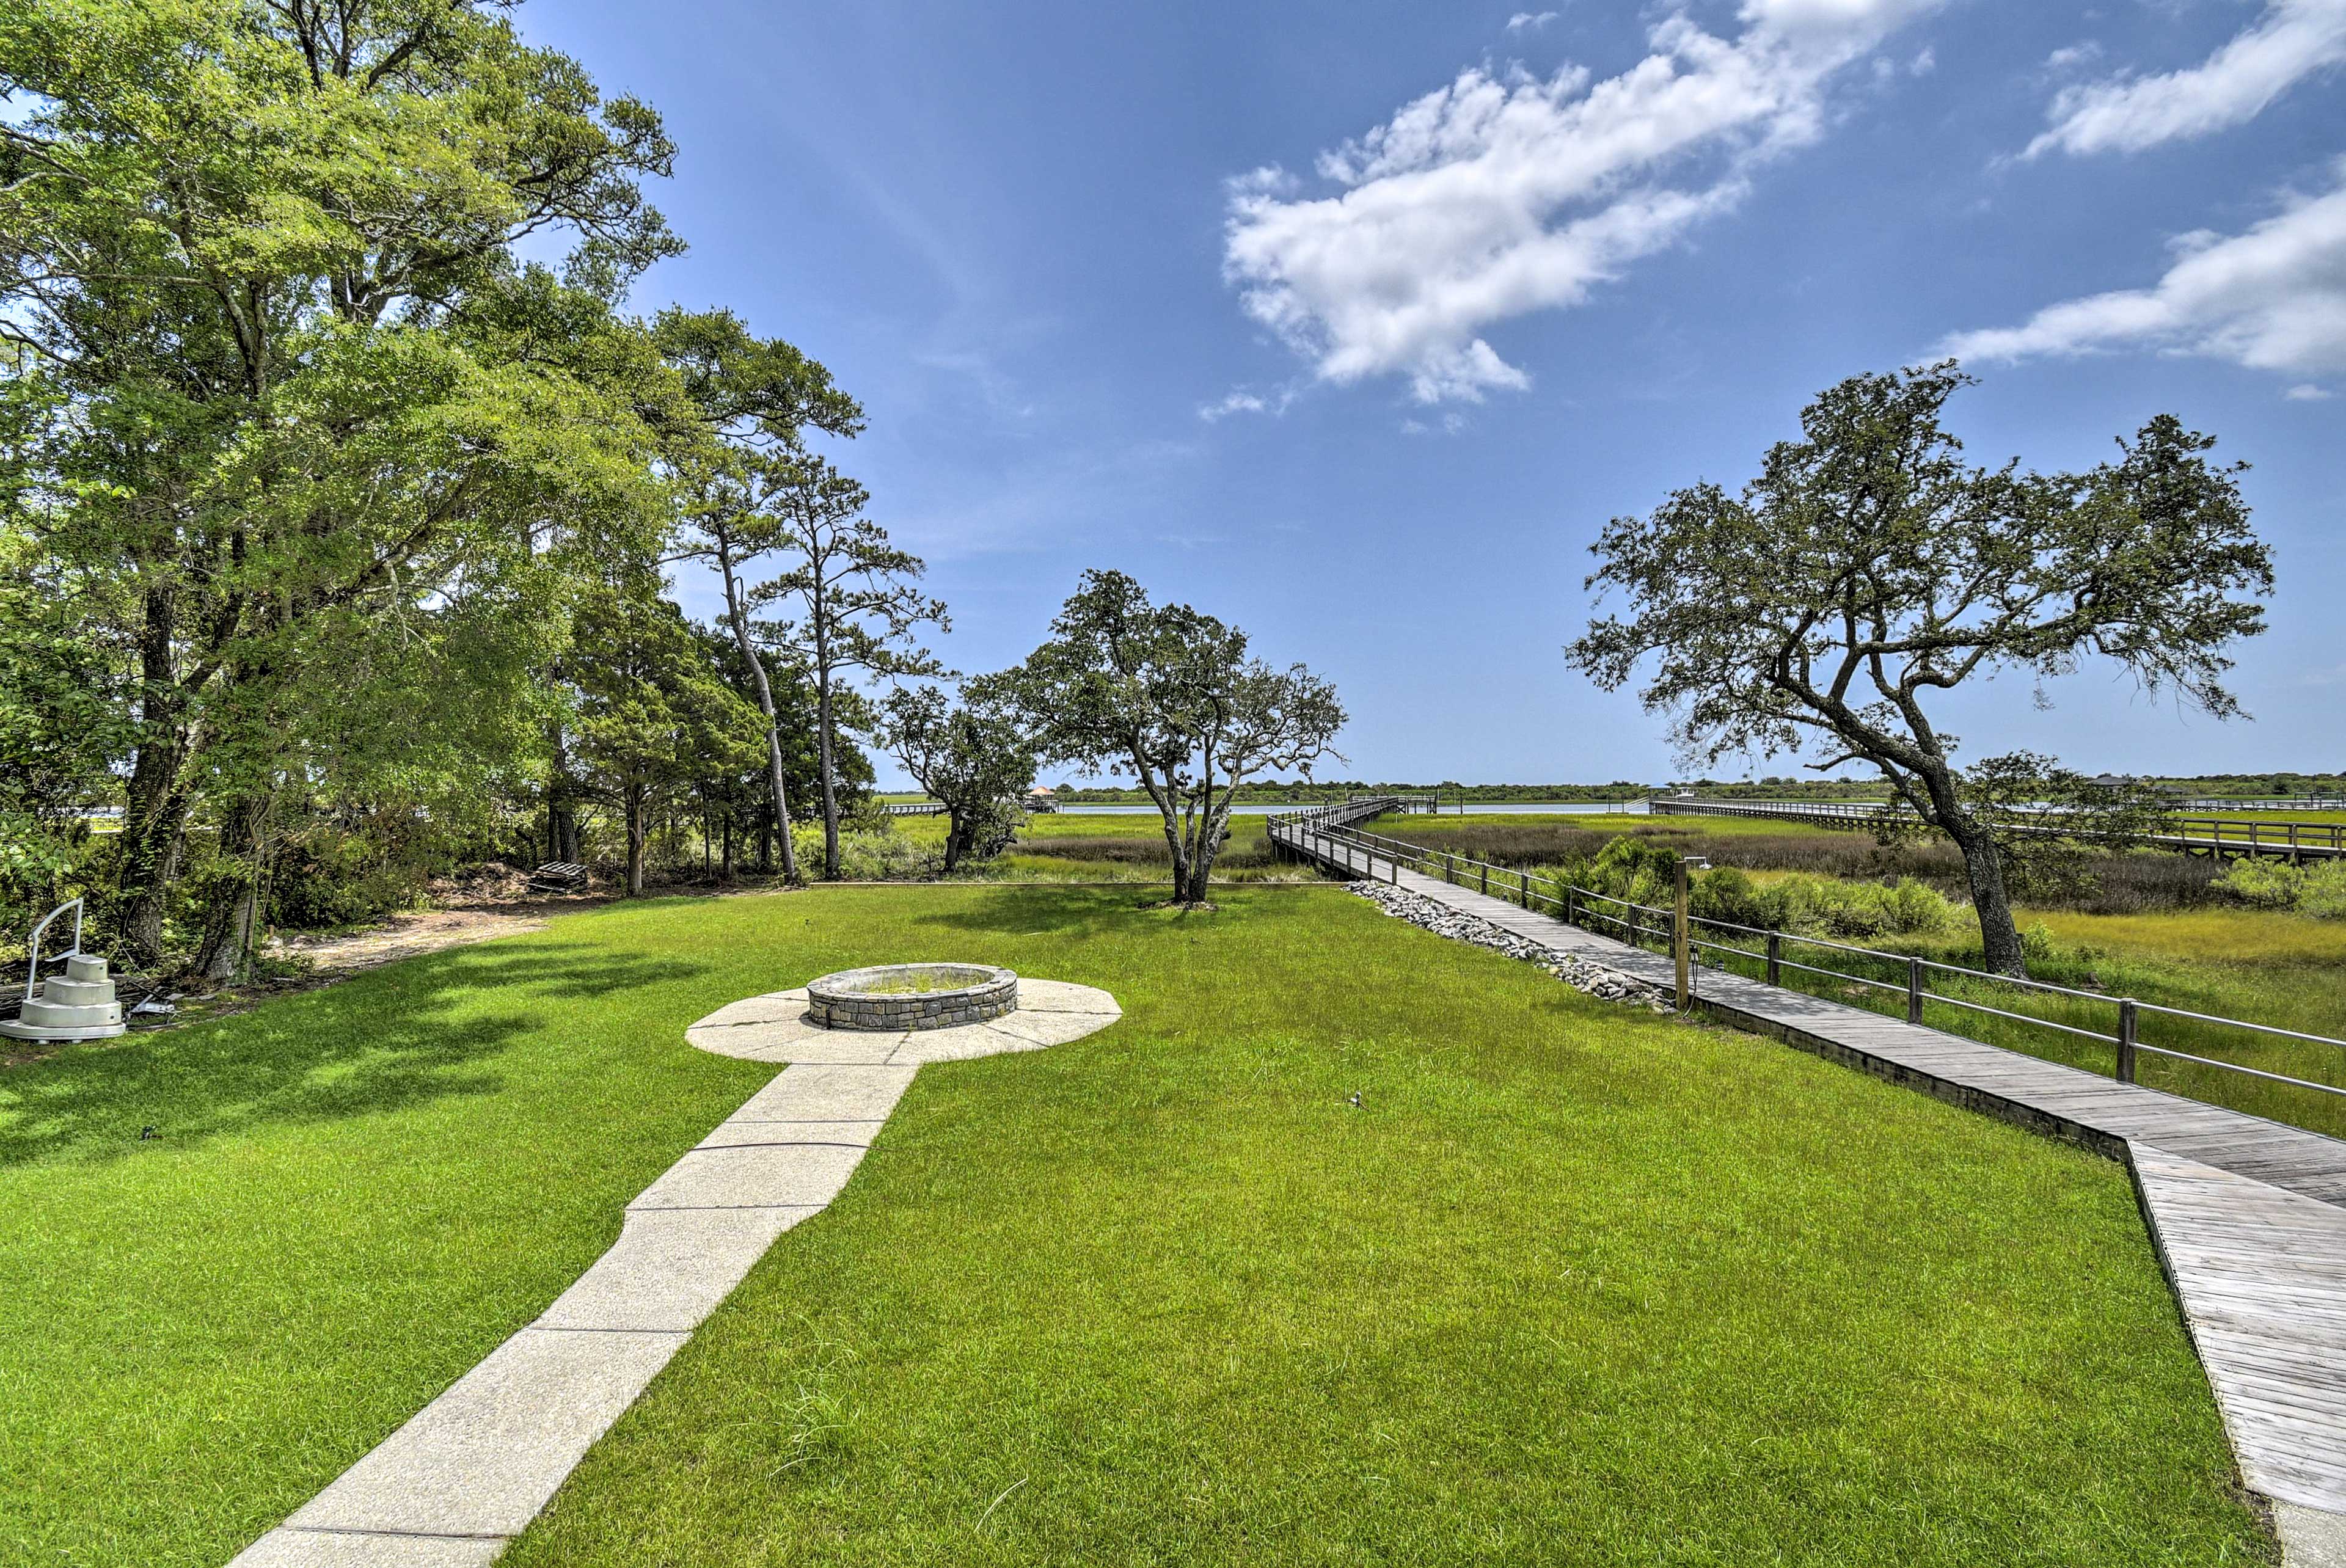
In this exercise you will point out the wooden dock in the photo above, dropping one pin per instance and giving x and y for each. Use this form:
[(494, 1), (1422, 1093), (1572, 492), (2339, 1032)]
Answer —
[(2248, 1215)]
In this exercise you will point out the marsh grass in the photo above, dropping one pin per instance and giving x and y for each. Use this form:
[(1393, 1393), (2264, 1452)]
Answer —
[(2130, 883)]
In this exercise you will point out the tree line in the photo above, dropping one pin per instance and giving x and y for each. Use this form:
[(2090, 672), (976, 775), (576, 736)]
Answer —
[(341, 490)]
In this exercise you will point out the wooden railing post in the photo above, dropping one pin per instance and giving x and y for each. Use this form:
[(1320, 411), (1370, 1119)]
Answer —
[(1775, 958), (2127, 1024), (1914, 990), (1678, 942)]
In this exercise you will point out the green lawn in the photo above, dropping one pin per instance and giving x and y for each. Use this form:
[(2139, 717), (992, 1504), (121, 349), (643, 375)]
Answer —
[(1571, 1283)]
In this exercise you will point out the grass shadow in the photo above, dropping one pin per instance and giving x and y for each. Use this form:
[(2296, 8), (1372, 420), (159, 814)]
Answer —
[(389, 1038), (1011, 910)]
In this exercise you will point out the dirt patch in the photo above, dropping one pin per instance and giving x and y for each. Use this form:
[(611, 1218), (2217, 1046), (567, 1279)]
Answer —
[(331, 956)]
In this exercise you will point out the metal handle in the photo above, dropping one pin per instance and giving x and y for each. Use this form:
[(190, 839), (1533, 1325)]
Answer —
[(33, 970)]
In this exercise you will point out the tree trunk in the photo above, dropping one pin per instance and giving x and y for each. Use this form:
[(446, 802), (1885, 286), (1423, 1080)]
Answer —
[(738, 619), (234, 917), (1983, 869), (725, 830), (830, 790), (154, 842), (1168, 810), (1209, 849), (156, 800), (561, 802), (638, 830), (2000, 949)]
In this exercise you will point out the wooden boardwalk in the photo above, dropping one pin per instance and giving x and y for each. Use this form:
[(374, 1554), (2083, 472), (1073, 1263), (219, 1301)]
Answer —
[(2248, 1215)]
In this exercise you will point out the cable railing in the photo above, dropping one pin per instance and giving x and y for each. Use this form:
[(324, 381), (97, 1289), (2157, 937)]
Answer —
[(1922, 990)]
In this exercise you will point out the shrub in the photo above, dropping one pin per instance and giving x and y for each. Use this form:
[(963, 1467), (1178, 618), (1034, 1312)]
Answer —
[(1823, 906), (2319, 891), (1637, 870), (327, 876), (1729, 895), (879, 856), (2322, 892)]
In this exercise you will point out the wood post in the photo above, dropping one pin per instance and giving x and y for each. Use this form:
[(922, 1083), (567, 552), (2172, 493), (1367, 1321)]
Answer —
[(1775, 958), (1914, 990), (2127, 1024), (1679, 940)]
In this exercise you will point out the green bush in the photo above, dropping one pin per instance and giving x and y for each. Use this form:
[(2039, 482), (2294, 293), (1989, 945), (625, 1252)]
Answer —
[(1727, 894), (2318, 889), (1829, 907), (1632, 868), (327, 878), (879, 856)]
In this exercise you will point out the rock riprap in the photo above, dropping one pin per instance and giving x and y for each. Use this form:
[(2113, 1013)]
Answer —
[(78, 1005), (1591, 979)]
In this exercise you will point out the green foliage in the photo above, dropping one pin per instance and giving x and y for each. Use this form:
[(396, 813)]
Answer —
[(1168, 697), (655, 717), (288, 406), (1828, 906), (1642, 871), (1868, 568), (2317, 889), (878, 854), (974, 757)]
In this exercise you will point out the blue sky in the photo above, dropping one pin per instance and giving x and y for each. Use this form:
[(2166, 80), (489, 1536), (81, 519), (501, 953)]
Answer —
[(1352, 322)]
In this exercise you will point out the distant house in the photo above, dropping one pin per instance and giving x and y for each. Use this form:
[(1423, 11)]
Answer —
[(1042, 799)]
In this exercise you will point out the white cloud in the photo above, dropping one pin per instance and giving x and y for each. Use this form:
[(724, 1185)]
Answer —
[(2292, 41), (2273, 298), (1503, 193), (2308, 392), (1243, 401), (1530, 21)]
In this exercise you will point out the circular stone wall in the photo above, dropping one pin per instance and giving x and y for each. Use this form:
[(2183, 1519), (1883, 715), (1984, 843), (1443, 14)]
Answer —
[(895, 996)]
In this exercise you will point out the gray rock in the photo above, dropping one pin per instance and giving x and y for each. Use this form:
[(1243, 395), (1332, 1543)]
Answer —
[(1589, 979)]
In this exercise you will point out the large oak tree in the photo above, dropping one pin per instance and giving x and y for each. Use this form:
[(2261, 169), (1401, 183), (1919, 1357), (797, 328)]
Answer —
[(299, 394), (1868, 569)]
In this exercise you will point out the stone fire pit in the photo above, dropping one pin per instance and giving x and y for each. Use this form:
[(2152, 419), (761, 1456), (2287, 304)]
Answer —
[(897, 996)]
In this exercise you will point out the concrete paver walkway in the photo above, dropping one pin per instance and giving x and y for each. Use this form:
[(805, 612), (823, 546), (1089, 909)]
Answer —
[(472, 1469)]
